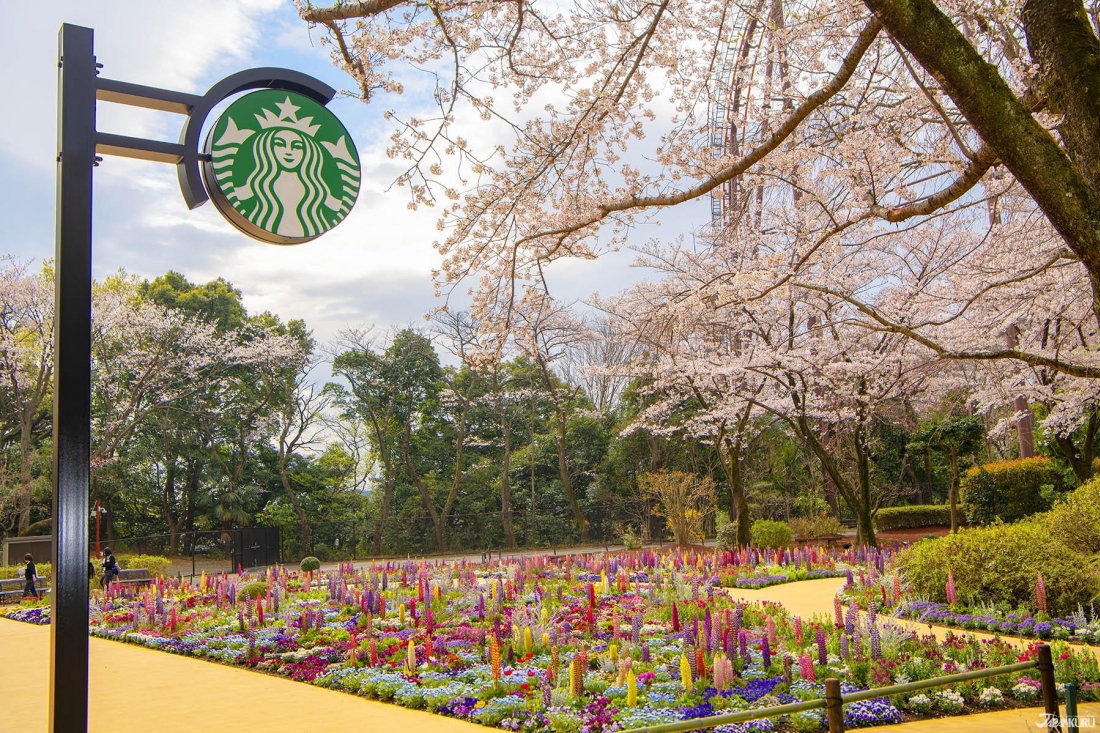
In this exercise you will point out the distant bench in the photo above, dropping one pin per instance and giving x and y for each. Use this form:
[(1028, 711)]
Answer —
[(136, 576), (12, 589)]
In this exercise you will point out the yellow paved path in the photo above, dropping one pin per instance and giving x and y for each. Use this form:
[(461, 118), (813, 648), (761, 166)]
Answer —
[(137, 690)]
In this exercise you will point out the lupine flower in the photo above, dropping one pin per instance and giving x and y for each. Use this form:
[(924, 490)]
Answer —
[(822, 658), (1041, 594), (952, 597), (806, 666)]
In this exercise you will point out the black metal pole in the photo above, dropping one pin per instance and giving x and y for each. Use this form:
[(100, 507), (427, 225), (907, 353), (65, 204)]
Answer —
[(72, 379)]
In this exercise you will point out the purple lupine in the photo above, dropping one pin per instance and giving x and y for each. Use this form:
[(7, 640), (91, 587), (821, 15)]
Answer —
[(743, 645), (822, 657), (848, 579), (876, 643), (765, 653), (853, 617), (844, 651), (645, 653)]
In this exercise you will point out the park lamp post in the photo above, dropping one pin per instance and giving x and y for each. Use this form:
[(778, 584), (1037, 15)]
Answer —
[(278, 165)]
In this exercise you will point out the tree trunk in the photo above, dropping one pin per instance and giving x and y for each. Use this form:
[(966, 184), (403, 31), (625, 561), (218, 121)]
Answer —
[(1080, 459), (567, 483), (303, 523), (954, 490), (26, 492), (387, 498), (505, 482), (739, 507), (168, 497), (865, 527), (424, 491), (927, 476)]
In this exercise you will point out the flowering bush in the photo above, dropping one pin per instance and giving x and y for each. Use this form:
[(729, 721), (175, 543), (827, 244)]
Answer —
[(991, 697), (949, 701)]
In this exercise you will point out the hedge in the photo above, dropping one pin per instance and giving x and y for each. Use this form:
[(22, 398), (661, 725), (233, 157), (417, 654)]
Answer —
[(7, 572), (906, 517), (1076, 521), (1009, 490), (772, 535), (155, 564), (999, 564)]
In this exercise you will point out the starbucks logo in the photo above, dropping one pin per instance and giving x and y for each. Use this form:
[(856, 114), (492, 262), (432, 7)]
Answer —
[(281, 167)]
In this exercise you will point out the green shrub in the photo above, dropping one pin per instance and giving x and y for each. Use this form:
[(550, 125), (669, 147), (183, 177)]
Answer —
[(1076, 522), (155, 564), (907, 517), (727, 536), (1000, 564), (255, 589), (1009, 490), (7, 572), (766, 533), (820, 525), (310, 563)]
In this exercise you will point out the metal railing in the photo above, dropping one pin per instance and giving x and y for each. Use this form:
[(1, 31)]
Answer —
[(833, 702)]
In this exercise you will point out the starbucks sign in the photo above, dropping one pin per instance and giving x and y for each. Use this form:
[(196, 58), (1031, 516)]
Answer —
[(280, 167)]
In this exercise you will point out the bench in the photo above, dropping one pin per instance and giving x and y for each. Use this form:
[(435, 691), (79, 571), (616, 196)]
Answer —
[(11, 590), (136, 576)]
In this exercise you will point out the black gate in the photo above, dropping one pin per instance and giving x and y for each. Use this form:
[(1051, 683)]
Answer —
[(256, 547)]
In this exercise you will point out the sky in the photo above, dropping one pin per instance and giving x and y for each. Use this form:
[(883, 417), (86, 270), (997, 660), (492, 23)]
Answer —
[(374, 269)]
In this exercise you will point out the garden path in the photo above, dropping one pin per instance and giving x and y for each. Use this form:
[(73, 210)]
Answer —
[(1000, 721), (136, 690)]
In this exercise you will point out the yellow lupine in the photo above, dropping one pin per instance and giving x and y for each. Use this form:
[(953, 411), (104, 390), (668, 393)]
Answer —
[(545, 640), (613, 650), (631, 689), (545, 616), (604, 583), (528, 640), (411, 661), (401, 620), (494, 658), (685, 674)]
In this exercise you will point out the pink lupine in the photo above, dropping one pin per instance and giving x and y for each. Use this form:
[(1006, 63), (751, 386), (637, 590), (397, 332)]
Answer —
[(952, 596), (1041, 594), (806, 664)]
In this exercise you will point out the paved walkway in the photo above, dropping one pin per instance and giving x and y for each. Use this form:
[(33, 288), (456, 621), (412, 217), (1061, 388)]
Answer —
[(138, 690)]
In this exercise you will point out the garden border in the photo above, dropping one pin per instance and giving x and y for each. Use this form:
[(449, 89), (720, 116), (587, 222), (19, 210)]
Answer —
[(834, 701)]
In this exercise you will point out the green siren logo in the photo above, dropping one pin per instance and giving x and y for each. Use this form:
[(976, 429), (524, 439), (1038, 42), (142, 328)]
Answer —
[(281, 167)]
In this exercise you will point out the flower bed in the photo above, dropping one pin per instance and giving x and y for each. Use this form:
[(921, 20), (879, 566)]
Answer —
[(556, 645), (890, 595)]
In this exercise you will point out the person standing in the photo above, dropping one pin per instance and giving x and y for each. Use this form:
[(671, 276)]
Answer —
[(110, 568), (30, 573)]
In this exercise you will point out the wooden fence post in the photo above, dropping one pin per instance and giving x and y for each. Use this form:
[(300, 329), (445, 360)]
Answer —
[(834, 706), (1071, 708), (1050, 692)]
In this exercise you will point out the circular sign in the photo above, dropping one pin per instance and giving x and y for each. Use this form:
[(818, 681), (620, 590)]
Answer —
[(280, 167)]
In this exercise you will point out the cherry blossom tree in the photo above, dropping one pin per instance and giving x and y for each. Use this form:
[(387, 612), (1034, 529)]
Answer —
[(895, 113), (26, 369)]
